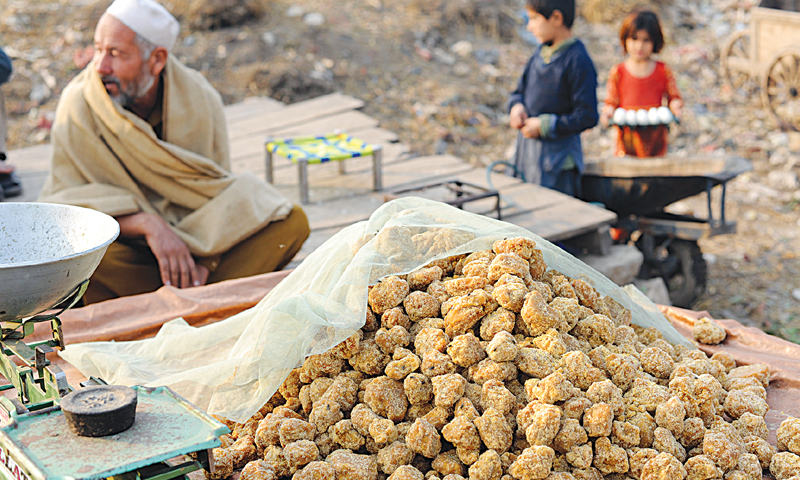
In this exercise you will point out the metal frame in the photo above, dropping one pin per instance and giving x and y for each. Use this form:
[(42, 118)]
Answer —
[(462, 195), (302, 170)]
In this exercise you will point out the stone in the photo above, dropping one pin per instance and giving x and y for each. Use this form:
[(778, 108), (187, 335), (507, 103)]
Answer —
[(295, 11), (314, 19), (462, 48), (621, 265), (655, 289), (783, 180)]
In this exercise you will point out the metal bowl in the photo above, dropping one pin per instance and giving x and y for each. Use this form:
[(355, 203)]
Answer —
[(46, 252)]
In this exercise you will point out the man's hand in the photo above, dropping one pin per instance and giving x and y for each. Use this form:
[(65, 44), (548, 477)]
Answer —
[(175, 262), (517, 116), (532, 128)]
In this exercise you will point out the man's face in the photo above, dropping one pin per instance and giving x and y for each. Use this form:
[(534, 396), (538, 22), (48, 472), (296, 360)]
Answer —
[(118, 60)]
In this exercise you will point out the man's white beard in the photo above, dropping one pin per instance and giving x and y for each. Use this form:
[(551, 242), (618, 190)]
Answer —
[(137, 89)]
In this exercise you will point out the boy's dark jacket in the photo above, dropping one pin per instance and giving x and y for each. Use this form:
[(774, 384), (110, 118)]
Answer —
[(566, 87)]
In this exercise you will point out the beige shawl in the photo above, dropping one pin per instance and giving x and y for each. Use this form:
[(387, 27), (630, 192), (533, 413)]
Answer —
[(108, 159)]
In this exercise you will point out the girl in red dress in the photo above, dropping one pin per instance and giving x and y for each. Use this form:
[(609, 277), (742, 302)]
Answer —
[(641, 83)]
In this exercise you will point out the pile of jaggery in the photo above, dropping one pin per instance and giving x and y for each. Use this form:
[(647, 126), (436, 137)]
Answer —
[(492, 366)]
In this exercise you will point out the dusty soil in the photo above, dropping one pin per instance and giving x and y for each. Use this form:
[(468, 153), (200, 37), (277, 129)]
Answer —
[(438, 73)]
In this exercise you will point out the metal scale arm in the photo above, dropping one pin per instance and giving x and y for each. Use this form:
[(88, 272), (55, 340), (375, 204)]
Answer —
[(39, 384)]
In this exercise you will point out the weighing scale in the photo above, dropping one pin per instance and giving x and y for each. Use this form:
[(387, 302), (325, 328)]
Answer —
[(47, 254)]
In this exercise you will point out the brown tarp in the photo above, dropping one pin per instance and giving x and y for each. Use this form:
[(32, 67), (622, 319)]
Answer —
[(141, 316)]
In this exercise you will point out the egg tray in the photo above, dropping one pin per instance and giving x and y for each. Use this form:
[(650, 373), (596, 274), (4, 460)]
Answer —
[(665, 117)]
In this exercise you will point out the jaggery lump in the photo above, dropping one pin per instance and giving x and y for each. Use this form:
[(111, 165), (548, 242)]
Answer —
[(422, 278), (447, 389), (510, 296), (784, 465), (388, 293), (663, 467), (552, 388), (609, 458), (393, 457), (494, 430), (497, 321), (423, 438), (789, 435), (664, 441), (702, 467), (351, 466), (739, 402), (487, 467), (708, 332), (502, 348), (544, 424), (571, 434), (466, 350), (534, 463), (538, 316)]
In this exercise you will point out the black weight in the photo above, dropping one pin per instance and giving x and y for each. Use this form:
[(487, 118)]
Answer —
[(100, 410)]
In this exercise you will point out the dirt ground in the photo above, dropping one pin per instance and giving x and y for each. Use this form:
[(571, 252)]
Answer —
[(438, 73)]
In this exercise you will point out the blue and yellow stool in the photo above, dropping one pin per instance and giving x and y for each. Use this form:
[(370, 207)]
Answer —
[(321, 149)]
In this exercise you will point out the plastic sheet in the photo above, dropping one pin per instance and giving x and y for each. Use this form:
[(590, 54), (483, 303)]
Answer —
[(233, 367)]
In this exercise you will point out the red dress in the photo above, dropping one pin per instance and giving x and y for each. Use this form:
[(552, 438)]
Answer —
[(629, 92)]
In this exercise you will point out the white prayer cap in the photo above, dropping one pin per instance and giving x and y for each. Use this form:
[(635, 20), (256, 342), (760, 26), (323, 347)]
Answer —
[(147, 18)]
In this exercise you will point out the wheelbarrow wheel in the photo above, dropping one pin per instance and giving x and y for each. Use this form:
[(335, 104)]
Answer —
[(687, 279), (735, 62), (780, 89)]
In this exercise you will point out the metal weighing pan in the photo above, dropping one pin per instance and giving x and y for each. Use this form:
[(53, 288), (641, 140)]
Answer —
[(46, 252)]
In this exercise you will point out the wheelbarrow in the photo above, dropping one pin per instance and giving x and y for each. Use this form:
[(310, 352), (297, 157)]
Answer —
[(639, 189)]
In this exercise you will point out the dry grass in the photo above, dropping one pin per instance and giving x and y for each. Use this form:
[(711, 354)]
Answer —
[(613, 11), (214, 14)]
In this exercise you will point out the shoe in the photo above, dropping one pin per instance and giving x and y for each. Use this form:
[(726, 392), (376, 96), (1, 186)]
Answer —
[(10, 185)]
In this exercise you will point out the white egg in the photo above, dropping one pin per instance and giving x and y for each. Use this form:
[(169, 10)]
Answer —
[(630, 118), (619, 116), (665, 114), (652, 115), (641, 117)]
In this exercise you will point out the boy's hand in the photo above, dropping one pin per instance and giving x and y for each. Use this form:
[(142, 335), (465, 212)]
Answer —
[(676, 106), (532, 128), (517, 116)]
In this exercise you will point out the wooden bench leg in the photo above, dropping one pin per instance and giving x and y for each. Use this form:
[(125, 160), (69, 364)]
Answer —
[(302, 173), (377, 168), (268, 165)]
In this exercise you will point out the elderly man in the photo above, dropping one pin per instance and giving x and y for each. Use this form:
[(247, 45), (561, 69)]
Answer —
[(141, 137)]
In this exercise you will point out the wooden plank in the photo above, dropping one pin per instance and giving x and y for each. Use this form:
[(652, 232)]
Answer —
[(350, 122), (32, 183), (31, 159), (251, 107), (298, 113), (561, 221), (341, 212)]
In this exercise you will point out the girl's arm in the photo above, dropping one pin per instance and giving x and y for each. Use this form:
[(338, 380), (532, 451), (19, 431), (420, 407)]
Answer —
[(612, 96), (674, 99)]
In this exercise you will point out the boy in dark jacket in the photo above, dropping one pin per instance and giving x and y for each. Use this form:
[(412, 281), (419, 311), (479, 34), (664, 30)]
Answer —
[(555, 100)]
